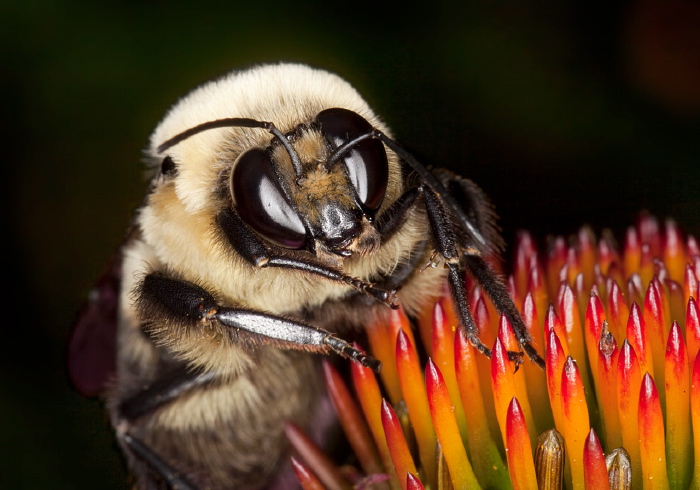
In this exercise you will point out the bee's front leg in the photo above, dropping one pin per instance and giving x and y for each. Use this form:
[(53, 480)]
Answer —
[(252, 249), (165, 300)]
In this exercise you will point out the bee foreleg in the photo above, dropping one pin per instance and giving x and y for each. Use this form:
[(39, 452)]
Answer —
[(446, 244), (481, 212), (164, 300), (292, 333), (257, 253), (499, 295), (393, 218)]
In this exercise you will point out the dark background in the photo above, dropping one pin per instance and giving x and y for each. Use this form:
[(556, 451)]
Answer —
[(564, 115)]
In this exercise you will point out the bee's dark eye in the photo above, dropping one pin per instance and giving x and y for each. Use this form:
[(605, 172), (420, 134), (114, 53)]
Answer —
[(261, 203), (168, 167), (366, 163)]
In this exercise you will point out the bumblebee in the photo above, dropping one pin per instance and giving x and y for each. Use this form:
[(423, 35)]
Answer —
[(280, 215)]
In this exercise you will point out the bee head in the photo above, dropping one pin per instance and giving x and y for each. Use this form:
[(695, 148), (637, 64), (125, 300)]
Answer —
[(316, 187)]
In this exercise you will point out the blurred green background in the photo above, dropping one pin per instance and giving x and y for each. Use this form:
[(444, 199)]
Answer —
[(565, 115)]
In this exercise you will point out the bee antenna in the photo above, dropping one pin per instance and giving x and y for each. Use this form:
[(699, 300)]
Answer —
[(236, 122)]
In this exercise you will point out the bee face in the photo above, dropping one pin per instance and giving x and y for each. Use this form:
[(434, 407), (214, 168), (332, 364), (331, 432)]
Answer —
[(328, 200), (279, 211)]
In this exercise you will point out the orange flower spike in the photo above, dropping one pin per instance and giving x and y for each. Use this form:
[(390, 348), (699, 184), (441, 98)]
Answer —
[(575, 418), (586, 255), (555, 359), (325, 471), (306, 478), (582, 293), (552, 322), (655, 317), (651, 436), (635, 289), (649, 233), (692, 330), (536, 378), (425, 318), (637, 336), (521, 466), (482, 318), (488, 324), (572, 268), (677, 378), (351, 420), (413, 483), (556, 260), (398, 447), (444, 358), (413, 388), (502, 382), (507, 337), (646, 264), (445, 425), (593, 323), (524, 251), (512, 292), (532, 321), (675, 302), (595, 472), (382, 342), (632, 255), (629, 380), (607, 379), (662, 291), (484, 321), (617, 309), (571, 320), (606, 255), (674, 255), (695, 414), (538, 288), (367, 390), (691, 247), (690, 284), (485, 457)]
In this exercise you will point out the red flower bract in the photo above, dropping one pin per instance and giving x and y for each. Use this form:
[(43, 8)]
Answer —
[(620, 333)]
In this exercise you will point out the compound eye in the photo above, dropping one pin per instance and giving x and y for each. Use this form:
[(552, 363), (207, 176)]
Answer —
[(260, 201), (366, 162)]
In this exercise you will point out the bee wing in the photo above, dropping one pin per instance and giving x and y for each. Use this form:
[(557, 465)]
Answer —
[(92, 349)]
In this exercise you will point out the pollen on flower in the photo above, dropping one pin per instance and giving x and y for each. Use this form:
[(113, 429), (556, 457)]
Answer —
[(617, 406)]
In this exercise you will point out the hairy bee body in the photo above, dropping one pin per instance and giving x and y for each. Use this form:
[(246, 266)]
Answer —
[(209, 401), (280, 218)]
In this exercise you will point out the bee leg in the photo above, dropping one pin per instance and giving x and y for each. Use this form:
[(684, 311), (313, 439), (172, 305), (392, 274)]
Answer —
[(258, 254), (162, 392), (146, 402), (293, 333), (393, 218), (170, 476), (499, 295), (482, 213), (479, 229), (165, 300), (447, 244)]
